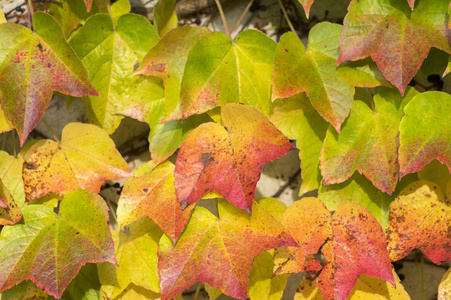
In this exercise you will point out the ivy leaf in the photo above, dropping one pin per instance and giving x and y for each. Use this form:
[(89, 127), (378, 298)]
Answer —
[(165, 17), (397, 38), (85, 286), (365, 288), (32, 67), (136, 253), (220, 71), (11, 175), (49, 249), (119, 8), (218, 251), (136, 292), (5, 124), (314, 71), (24, 291), (228, 161), (152, 194), (170, 65), (368, 142), (306, 4), (111, 54), (82, 147), (88, 4), (9, 209), (420, 217), (352, 242), (298, 120), (2, 17), (424, 132), (444, 289)]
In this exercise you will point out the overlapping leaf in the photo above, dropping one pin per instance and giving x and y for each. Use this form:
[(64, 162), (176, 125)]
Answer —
[(228, 161), (219, 251), (136, 253), (111, 54), (11, 175), (9, 209), (366, 288), (220, 71), (164, 16), (420, 217), (32, 67), (306, 4), (352, 242), (167, 60), (397, 38), (425, 132), (298, 120), (444, 289), (368, 142), (49, 249), (2, 17), (152, 194), (85, 286), (119, 8), (61, 167), (314, 71)]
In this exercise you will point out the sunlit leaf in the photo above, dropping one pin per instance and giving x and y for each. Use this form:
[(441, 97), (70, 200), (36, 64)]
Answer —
[(50, 249), (314, 71), (32, 66), (61, 167), (424, 132), (444, 289), (396, 37), (152, 195), (220, 71), (9, 209), (366, 288), (213, 293), (136, 292), (2, 17), (228, 161), (111, 54), (11, 175), (368, 142), (420, 217), (165, 18), (136, 253), (119, 8), (170, 65), (298, 120), (219, 251)]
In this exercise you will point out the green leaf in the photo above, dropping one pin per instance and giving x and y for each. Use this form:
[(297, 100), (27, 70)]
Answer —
[(165, 17), (2, 17), (85, 286), (314, 71), (298, 120), (32, 67), (220, 71), (11, 175), (396, 37), (111, 54), (119, 8), (368, 142), (136, 253), (170, 65), (424, 132), (50, 249), (24, 291)]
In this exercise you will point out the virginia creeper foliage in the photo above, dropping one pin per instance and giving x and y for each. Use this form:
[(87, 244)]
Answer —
[(372, 127)]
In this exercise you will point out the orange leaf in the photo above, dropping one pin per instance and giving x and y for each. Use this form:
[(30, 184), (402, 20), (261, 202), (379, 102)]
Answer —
[(61, 167), (228, 161), (420, 217), (219, 251)]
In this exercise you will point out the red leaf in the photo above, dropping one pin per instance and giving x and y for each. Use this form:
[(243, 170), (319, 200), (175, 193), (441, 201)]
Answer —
[(228, 161)]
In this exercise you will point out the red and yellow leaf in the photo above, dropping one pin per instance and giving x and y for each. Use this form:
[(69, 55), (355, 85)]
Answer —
[(32, 67), (219, 251), (306, 4), (228, 161), (420, 217), (61, 167), (49, 249), (352, 242), (396, 37), (152, 194)]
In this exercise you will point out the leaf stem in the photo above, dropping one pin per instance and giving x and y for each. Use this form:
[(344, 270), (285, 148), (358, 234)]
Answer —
[(242, 16), (287, 18), (50, 129), (30, 13), (14, 144), (197, 290), (221, 12)]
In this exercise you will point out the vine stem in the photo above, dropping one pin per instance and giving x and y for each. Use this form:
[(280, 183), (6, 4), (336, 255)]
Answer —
[(197, 291), (221, 12), (30, 13), (287, 18), (50, 129), (242, 16)]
